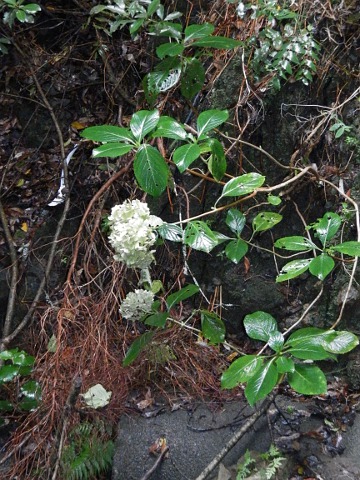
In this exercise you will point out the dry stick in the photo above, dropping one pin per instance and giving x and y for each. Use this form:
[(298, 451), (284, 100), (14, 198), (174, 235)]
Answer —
[(156, 464), (238, 435)]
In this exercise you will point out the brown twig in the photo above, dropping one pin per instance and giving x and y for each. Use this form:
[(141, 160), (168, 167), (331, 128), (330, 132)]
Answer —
[(156, 464)]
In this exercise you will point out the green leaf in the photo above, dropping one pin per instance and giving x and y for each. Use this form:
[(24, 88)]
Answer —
[(112, 150), (162, 79), (307, 343), (6, 406), (212, 327), (348, 248), (273, 199), (31, 389), (169, 128), (265, 220), (261, 383), (31, 8), (108, 133), (185, 155), (177, 297), (154, 5), (157, 319), (169, 231), (169, 50), (296, 244), (284, 365), (200, 237), (321, 266), (217, 161), (235, 220), (311, 334), (8, 372), (344, 342), (28, 404), (136, 347), (327, 227), (151, 170), (217, 42), (143, 122), (260, 325), (21, 16), (293, 269), (236, 250), (241, 370), (242, 185), (135, 27), (276, 341), (308, 380), (193, 32), (210, 119), (193, 79)]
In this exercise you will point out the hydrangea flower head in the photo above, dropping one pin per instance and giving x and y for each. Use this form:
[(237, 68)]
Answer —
[(136, 304), (132, 233)]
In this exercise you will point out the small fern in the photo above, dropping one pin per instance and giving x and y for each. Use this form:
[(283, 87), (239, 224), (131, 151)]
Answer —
[(88, 454), (245, 468)]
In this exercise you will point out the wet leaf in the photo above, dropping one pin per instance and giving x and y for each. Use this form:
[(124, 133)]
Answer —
[(241, 370), (261, 383), (321, 266), (260, 325), (308, 380)]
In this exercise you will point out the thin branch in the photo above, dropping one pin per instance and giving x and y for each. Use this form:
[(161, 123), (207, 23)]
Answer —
[(156, 464)]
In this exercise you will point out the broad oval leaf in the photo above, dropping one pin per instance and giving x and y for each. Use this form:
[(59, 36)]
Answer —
[(169, 128), (217, 160), (198, 31), (349, 248), (261, 383), (266, 220), (8, 372), (185, 155), (242, 185), (344, 342), (151, 170), (295, 244), (112, 150), (310, 334), (308, 380), (321, 266), (210, 119), (136, 347), (236, 250), (193, 79), (143, 122), (200, 237), (285, 365), (293, 269), (217, 42), (177, 297), (327, 227), (310, 351), (276, 341), (260, 325), (273, 199), (169, 50), (169, 231), (108, 133), (212, 327), (157, 319), (241, 370), (235, 220)]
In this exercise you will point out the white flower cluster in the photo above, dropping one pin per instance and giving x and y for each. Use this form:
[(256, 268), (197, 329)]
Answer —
[(136, 304), (132, 233)]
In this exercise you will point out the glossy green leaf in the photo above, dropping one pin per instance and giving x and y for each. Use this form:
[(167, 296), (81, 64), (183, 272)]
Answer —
[(200, 237), (31, 389), (8, 372), (167, 127), (307, 343), (31, 8), (235, 220), (193, 32), (217, 160), (169, 50), (136, 347), (236, 250), (193, 79), (22, 358), (112, 150), (151, 170), (308, 380), (210, 119), (177, 297), (108, 134), (217, 42), (261, 383), (212, 327), (321, 266), (157, 319), (274, 200), (348, 248), (185, 155), (276, 341), (151, 9), (311, 334), (265, 220), (241, 370), (143, 122), (296, 244), (169, 231), (135, 27), (260, 325), (327, 227), (343, 342), (284, 365), (28, 404), (243, 185), (293, 269)]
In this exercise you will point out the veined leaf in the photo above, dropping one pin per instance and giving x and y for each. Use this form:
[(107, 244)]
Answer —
[(157, 319), (8, 372), (241, 370), (343, 342), (308, 380), (285, 365), (274, 199), (235, 220), (308, 334), (348, 248), (143, 122), (177, 297), (261, 383), (236, 250), (200, 237), (265, 220), (293, 269), (217, 160), (136, 347), (242, 185), (260, 325), (327, 227), (151, 170), (210, 119), (185, 155), (276, 341), (112, 150), (296, 244), (321, 266), (169, 231), (169, 50), (212, 327), (193, 78), (169, 128), (217, 42), (108, 133), (193, 32)]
